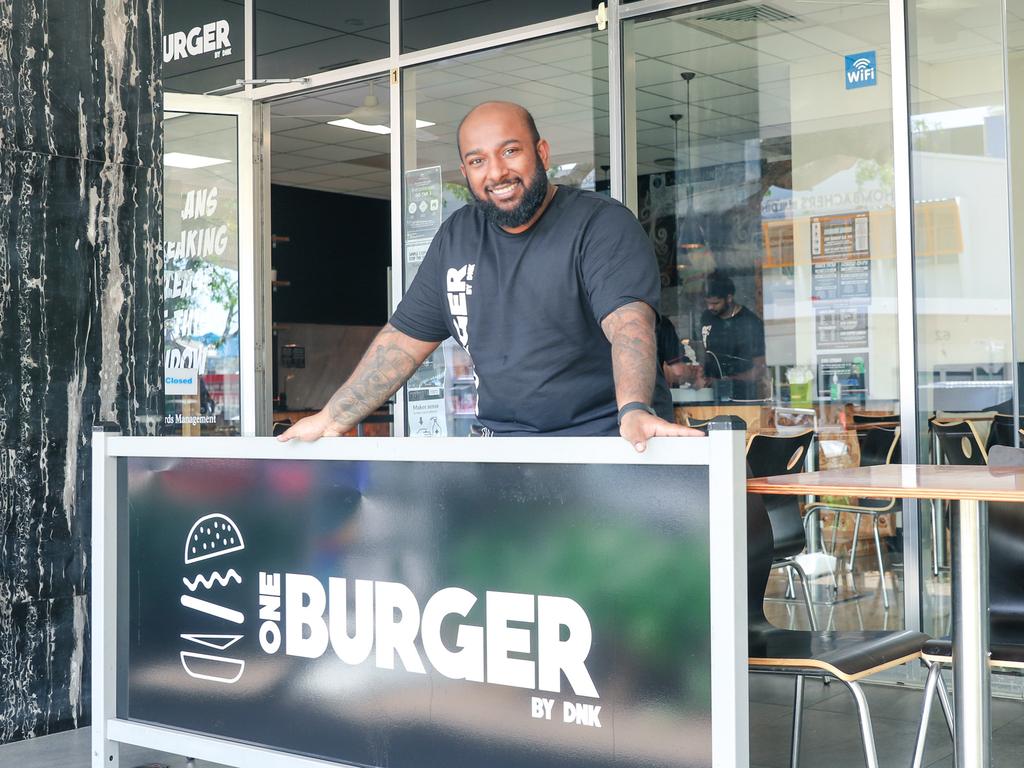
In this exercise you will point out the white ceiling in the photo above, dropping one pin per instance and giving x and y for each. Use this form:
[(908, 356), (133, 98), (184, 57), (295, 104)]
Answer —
[(746, 73)]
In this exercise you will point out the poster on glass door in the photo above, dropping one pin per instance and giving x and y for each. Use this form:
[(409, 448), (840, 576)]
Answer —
[(201, 347)]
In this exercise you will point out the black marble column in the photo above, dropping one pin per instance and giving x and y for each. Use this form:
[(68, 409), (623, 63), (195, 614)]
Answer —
[(80, 318)]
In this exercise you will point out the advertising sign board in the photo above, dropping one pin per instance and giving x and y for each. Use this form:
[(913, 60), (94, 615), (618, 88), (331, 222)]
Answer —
[(374, 613)]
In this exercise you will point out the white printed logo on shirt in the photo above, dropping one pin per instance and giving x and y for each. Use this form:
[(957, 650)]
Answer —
[(459, 285)]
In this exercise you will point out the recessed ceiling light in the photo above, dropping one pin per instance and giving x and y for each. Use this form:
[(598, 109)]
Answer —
[(347, 122), (185, 160)]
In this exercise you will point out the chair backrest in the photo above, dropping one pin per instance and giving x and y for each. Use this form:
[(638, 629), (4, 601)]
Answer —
[(960, 442), (1006, 555), (760, 553), (1003, 427), (781, 455), (879, 446), (885, 418), (778, 454)]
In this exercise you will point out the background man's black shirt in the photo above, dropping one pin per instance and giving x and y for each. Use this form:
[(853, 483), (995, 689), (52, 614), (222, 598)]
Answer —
[(735, 342), (528, 307)]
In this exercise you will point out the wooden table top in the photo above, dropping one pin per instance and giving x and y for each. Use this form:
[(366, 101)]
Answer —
[(905, 481)]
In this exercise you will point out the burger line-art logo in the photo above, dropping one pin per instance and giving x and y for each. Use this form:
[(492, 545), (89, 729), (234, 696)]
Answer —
[(299, 615), (212, 536)]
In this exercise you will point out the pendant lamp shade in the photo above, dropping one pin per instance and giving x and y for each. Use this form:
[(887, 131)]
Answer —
[(691, 234)]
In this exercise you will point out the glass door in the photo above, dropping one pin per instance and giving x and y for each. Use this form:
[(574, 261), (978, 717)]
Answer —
[(214, 283)]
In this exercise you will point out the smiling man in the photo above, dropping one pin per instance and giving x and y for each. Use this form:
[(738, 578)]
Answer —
[(553, 292)]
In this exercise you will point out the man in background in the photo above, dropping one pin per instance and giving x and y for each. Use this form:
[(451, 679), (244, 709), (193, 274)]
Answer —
[(733, 339)]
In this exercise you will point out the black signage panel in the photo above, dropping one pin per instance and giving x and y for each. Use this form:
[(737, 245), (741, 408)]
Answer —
[(410, 614), (203, 45)]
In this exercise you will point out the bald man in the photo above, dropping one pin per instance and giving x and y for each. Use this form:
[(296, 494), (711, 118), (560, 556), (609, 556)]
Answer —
[(553, 291)]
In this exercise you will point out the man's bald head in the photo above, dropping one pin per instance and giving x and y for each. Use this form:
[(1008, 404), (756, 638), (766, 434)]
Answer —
[(491, 109)]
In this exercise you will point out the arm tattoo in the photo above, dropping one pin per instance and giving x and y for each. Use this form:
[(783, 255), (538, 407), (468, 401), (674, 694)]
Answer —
[(630, 329), (383, 369)]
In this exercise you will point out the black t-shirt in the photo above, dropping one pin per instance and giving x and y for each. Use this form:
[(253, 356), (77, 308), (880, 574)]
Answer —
[(669, 349), (528, 308), (735, 342)]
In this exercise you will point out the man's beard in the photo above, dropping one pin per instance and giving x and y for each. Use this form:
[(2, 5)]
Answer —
[(531, 201)]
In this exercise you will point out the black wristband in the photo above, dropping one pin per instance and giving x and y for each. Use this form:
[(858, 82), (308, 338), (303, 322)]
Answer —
[(636, 405)]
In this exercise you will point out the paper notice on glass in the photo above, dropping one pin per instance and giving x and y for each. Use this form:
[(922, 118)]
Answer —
[(422, 214), (427, 418)]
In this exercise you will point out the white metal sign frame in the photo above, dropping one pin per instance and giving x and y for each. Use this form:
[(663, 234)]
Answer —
[(722, 453)]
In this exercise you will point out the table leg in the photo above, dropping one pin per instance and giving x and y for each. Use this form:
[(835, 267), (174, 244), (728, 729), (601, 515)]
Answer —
[(971, 679)]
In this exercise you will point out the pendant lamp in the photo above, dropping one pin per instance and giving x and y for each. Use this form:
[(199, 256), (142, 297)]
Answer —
[(691, 236)]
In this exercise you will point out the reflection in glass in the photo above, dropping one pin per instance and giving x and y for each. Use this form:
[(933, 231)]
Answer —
[(760, 164), (569, 102), (201, 350), (961, 243), (426, 23), (759, 159), (297, 39)]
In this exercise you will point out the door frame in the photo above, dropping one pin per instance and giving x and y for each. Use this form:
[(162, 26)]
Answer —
[(254, 292)]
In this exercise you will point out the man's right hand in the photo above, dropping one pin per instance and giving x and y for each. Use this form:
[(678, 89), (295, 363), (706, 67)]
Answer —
[(390, 360), (312, 428)]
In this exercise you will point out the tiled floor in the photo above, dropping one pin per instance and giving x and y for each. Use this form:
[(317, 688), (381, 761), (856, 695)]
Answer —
[(830, 738)]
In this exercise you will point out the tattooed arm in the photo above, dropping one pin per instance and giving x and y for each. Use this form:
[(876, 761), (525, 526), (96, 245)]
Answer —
[(391, 359), (630, 329)]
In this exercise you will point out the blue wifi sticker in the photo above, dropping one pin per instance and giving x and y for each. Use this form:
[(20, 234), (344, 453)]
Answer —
[(861, 71)]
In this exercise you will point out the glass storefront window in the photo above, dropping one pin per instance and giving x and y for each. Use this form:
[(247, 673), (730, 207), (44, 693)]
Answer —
[(562, 80), (962, 261), (297, 39), (203, 45), (201, 346), (427, 23), (761, 152)]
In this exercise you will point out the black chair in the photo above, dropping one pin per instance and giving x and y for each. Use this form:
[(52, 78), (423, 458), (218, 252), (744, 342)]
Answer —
[(769, 455), (1006, 600), (848, 656), (888, 419), (696, 423), (1003, 427), (881, 445), (959, 442)]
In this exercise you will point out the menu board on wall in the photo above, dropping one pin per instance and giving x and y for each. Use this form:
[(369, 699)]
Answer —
[(841, 327), (841, 288), (840, 257), (839, 236), (844, 376)]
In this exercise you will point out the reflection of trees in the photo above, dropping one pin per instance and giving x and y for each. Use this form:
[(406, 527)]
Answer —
[(224, 292), (646, 590), (203, 279)]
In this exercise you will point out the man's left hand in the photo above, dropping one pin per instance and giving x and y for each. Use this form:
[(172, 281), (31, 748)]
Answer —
[(638, 426)]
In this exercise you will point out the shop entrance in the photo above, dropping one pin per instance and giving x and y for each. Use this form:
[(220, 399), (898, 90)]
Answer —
[(330, 242)]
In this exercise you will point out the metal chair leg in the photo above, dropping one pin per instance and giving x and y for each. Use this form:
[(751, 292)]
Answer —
[(853, 543), (795, 566), (790, 587), (947, 708), (864, 718), (934, 673), (935, 541), (881, 563), (798, 717), (835, 531)]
